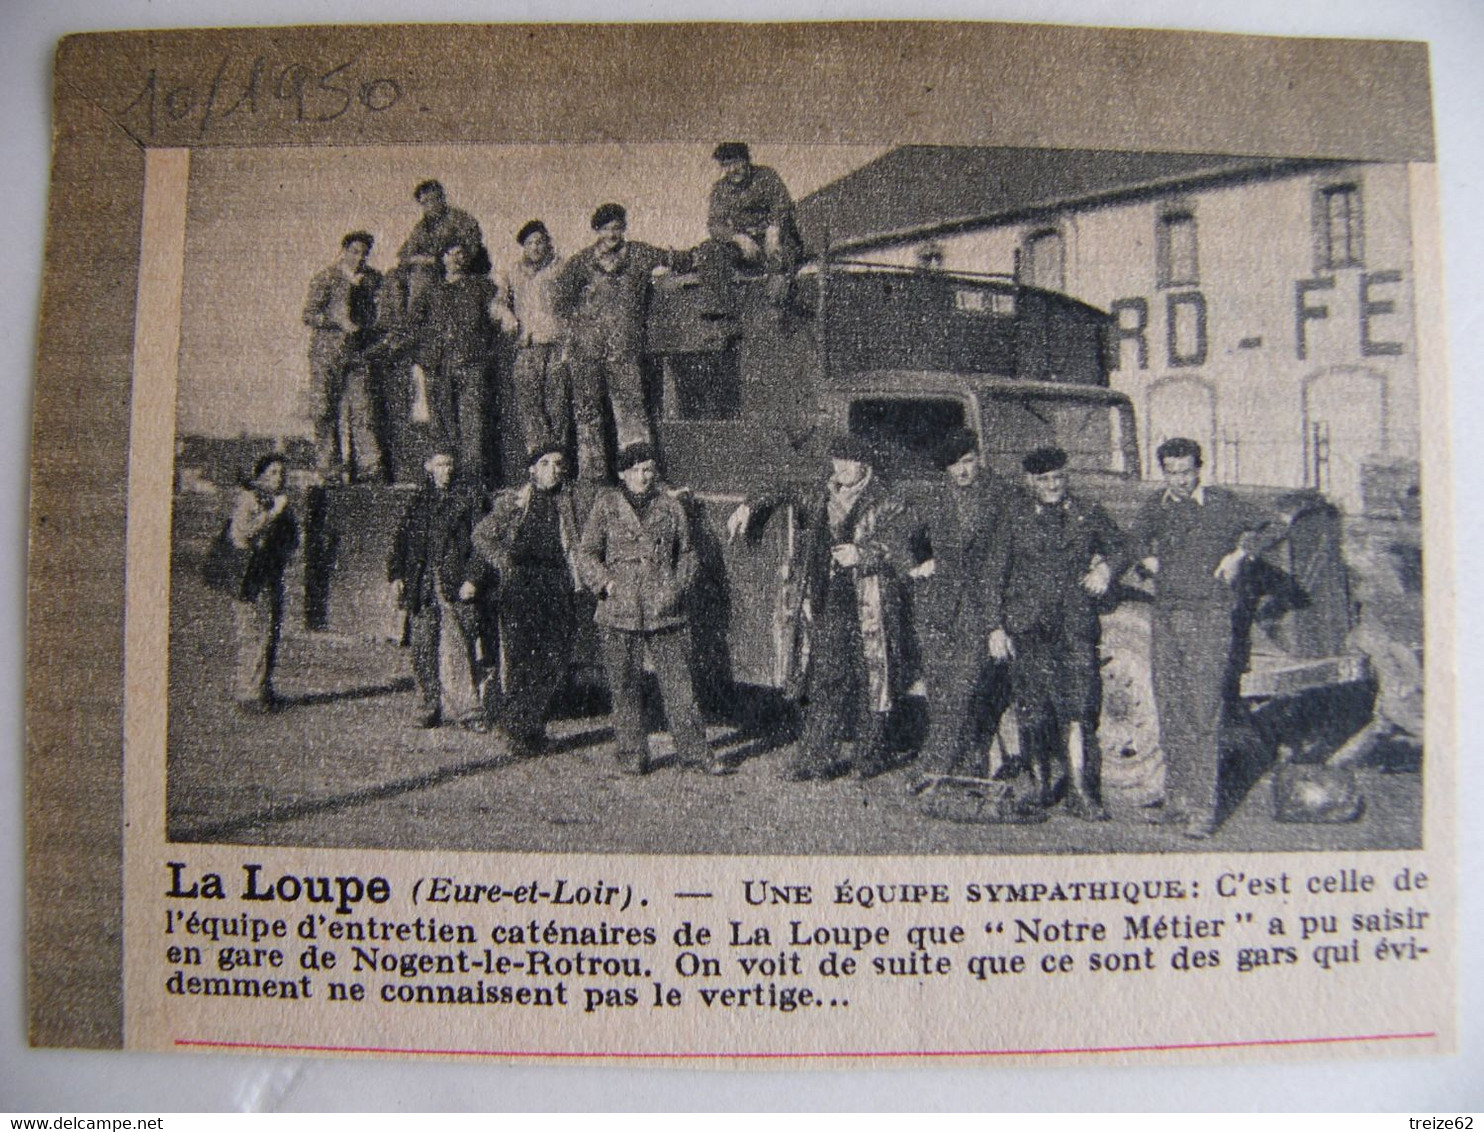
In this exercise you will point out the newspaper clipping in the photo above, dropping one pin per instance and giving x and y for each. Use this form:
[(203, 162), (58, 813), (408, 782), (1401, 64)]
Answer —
[(726, 544)]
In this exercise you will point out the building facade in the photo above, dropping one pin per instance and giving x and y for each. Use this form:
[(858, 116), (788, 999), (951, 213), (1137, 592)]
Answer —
[(1264, 308)]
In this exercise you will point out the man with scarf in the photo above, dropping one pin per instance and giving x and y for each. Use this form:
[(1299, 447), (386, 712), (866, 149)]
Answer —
[(854, 549), (637, 556), (529, 540)]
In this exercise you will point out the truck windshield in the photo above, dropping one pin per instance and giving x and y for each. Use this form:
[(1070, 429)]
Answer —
[(1097, 435), (906, 429)]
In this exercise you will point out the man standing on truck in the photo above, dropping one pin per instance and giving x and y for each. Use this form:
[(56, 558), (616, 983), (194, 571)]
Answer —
[(602, 293), (968, 690), (525, 311), (853, 553), (750, 222), (456, 349), (1195, 541), (341, 312), (1059, 556), (441, 226)]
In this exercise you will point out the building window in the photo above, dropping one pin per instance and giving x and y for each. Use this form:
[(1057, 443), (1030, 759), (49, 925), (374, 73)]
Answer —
[(1175, 242), (1338, 227), (1043, 261)]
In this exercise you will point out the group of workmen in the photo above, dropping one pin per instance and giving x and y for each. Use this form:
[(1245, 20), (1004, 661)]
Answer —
[(1007, 581), (445, 353)]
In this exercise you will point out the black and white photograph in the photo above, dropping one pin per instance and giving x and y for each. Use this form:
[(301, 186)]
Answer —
[(731, 498)]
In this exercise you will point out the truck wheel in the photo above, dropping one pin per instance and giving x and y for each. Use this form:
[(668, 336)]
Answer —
[(1128, 732)]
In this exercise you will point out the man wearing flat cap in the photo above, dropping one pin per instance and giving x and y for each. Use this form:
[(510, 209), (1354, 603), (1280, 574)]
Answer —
[(1057, 561), (526, 313), (750, 222), (602, 294), (529, 541), (638, 558), (852, 554), (968, 690)]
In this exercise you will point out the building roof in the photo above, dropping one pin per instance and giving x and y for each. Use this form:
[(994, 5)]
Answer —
[(920, 190)]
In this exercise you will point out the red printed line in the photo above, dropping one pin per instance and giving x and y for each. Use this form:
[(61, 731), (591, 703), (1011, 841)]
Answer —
[(780, 1056)]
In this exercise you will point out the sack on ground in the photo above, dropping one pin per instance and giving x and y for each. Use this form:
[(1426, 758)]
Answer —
[(1320, 794)]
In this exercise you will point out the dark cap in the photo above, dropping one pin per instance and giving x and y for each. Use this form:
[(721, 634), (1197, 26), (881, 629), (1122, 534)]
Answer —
[(427, 187), (955, 446), (1044, 460), (529, 229), (731, 151), (358, 237), (632, 456), (608, 213), (849, 447), (536, 451)]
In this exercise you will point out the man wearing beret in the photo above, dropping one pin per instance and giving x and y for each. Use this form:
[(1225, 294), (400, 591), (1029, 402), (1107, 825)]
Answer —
[(968, 690), (530, 542), (1057, 561), (638, 558), (1195, 541), (602, 293), (853, 552), (751, 225), (525, 311)]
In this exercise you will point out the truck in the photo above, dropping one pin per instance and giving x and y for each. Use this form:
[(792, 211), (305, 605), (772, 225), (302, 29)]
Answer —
[(749, 399), (898, 356)]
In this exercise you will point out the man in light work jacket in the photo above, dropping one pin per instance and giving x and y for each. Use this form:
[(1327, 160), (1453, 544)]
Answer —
[(603, 295), (341, 312), (638, 558), (1195, 540)]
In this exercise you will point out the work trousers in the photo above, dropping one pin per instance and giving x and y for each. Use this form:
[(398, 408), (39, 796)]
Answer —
[(1193, 682), (669, 654), (600, 386), (259, 627), (346, 420), (838, 690), (543, 395), (538, 622), (460, 406), (967, 695), (442, 635)]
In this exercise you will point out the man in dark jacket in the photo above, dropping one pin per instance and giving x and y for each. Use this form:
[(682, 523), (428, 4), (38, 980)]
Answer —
[(750, 222), (602, 294), (457, 353), (529, 543), (1195, 541), (854, 554), (968, 690), (438, 579), (638, 558), (1057, 561)]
